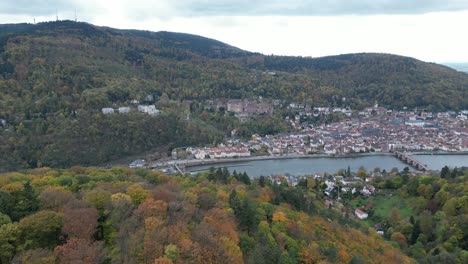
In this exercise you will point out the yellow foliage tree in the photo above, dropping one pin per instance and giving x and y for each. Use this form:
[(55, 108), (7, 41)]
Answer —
[(137, 193), (310, 254), (279, 217), (13, 187), (163, 260), (116, 197)]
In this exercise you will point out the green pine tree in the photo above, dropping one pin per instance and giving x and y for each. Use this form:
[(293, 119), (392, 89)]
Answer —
[(235, 203)]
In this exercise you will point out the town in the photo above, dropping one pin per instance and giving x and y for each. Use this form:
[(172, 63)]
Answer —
[(373, 130)]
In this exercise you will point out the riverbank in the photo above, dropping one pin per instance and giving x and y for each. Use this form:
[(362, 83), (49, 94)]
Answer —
[(309, 165), (440, 153), (306, 165), (193, 163)]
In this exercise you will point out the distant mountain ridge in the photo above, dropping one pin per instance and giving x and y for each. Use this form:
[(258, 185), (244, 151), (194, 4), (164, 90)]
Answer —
[(393, 81), (196, 43), (460, 66)]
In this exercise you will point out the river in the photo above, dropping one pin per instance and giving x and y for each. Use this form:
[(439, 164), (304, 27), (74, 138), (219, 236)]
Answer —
[(303, 166), (436, 162)]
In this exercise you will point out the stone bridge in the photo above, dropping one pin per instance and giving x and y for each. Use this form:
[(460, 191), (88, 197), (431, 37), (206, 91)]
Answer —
[(411, 161)]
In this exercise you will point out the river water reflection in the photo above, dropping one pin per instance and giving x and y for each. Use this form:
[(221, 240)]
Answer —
[(436, 162), (303, 166)]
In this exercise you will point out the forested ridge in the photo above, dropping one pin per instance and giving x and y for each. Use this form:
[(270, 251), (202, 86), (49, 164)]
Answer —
[(122, 215), (55, 78)]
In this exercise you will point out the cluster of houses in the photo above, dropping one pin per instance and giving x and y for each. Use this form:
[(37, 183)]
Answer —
[(219, 152), (382, 131), (348, 185), (379, 130), (291, 143), (139, 163), (289, 179), (307, 110), (147, 109)]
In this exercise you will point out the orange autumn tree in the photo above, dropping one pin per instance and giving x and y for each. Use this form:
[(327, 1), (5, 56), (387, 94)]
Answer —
[(80, 251), (80, 222), (216, 238)]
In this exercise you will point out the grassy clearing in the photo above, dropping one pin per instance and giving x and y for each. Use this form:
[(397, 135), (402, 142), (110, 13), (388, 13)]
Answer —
[(383, 205)]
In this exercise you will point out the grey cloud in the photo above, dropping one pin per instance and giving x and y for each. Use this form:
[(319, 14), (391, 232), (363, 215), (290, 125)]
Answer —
[(34, 7), (142, 9), (317, 7)]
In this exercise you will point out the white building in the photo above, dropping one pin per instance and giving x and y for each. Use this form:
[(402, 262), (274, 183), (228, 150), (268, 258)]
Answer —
[(229, 152), (418, 123), (360, 214), (139, 163), (124, 110), (221, 152), (368, 190), (107, 110), (350, 181), (148, 109), (200, 154), (329, 150)]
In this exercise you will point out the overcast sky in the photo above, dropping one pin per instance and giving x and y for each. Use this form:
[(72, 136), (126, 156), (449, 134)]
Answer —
[(430, 30)]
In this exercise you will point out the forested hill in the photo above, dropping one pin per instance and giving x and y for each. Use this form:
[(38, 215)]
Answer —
[(55, 78), (121, 215), (204, 67), (197, 44), (390, 79), (89, 215)]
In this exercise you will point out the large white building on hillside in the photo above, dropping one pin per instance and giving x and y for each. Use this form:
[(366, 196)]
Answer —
[(148, 109)]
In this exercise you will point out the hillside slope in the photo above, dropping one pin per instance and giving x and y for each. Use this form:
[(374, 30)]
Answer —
[(127, 216), (183, 61), (389, 79), (56, 77)]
